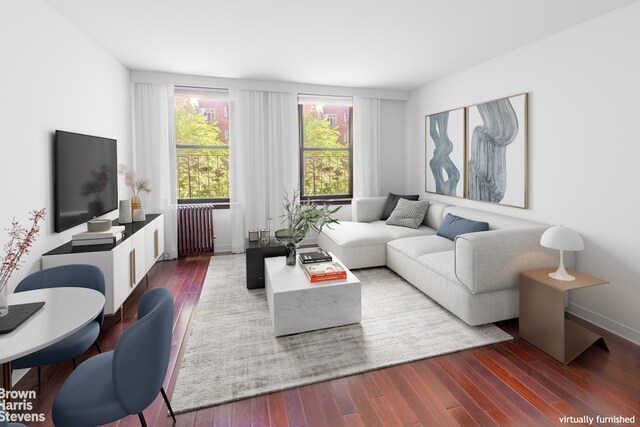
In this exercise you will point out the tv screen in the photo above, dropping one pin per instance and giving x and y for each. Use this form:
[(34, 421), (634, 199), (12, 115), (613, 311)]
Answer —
[(86, 178)]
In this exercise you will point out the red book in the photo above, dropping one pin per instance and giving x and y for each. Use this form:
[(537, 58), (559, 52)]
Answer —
[(323, 271)]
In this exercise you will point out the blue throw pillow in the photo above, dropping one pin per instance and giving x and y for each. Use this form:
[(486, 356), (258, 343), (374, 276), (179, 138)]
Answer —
[(453, 225)]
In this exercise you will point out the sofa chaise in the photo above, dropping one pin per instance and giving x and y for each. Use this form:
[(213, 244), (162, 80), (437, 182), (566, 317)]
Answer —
[(475, 276)]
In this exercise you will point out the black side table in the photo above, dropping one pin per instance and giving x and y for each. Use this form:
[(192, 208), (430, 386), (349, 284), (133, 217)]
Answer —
[(255, 255)]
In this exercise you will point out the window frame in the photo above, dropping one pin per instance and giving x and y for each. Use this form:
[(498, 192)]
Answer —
[(218, 202), (323, 198)]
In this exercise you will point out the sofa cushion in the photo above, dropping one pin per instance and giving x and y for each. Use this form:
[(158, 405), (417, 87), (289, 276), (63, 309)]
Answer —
[(392, 201), (349, 233), (408, 213), (442, 263), (453, 225), (397, 232), (415, 247)]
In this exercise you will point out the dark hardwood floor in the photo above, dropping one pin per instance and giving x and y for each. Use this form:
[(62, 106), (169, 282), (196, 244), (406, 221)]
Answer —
[(505, 384)]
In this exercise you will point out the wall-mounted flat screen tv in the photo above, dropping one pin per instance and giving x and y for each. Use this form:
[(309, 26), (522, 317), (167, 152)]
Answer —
[(86, 178)]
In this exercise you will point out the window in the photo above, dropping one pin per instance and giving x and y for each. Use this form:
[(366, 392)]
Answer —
[(325, 150), (332, 119), (202, 144), (209, 113)]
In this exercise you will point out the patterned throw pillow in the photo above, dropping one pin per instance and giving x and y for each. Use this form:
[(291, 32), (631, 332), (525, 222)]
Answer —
[(392, 201), (408, 213)]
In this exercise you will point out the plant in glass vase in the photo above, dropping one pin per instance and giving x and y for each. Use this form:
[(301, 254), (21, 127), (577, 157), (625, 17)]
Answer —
[(300, 217), (20, 241), (136, 185)]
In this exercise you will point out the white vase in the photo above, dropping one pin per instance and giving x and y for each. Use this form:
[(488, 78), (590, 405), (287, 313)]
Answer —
[(125, 212), (4, 299)]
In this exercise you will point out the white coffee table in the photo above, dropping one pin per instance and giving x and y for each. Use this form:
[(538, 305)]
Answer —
[(297, 305)]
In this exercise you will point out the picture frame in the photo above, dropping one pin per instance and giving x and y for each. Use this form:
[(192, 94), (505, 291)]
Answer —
[(445, 153), (497, 151)]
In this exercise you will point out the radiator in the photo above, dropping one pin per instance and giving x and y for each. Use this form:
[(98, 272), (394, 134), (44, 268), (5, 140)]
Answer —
[(195, 229)]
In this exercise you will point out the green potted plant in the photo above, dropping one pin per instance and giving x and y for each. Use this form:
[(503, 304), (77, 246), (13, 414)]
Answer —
[(300, 217)]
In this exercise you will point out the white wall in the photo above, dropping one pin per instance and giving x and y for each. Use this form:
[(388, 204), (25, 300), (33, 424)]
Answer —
[(52, 77), (583, 86)]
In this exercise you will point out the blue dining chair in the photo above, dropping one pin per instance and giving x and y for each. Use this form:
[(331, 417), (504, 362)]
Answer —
[(112, 385), (74, 276), (3, 420)]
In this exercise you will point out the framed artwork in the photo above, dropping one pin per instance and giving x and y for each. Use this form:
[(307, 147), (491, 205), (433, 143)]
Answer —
[(497, 151), (445, 153)]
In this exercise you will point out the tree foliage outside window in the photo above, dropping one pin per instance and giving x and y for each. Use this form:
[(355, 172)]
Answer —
[(202, 153), (325, 151)]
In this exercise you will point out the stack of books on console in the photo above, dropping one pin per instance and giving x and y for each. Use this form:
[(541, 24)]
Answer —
[(89, 238)]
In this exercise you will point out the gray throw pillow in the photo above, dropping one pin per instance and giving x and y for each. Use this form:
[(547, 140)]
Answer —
[(408, 213), (392, 201)]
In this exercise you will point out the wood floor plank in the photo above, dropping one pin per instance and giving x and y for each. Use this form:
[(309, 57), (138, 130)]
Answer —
[(293, 405), (241, 413), (277, 409), (506, 376), (342, 397), (466, 401), (421, 408), (592, 395), (395, 398), (259, 412), (439, 389), (352, 420), (462, 417), (503, 396), (205, 417), (223, 415), (313, 412), (386, 414), (427, 395), (357, 388)]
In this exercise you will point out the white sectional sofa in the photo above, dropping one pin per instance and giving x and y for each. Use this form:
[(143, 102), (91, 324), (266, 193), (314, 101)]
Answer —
[(475, 277)]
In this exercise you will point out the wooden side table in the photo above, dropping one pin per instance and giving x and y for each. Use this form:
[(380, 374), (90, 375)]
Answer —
[(542, 317)]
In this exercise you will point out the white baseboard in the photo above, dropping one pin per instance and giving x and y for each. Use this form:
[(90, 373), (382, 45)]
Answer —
[(604, 322), (222, 248)]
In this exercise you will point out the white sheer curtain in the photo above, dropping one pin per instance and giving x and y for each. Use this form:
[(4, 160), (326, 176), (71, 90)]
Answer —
[(366, 147), (154, 155), (263, 158), (283, 167)]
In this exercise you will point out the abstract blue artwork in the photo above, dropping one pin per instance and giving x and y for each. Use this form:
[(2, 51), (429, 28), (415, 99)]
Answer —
[(445, 139), (497, 151)]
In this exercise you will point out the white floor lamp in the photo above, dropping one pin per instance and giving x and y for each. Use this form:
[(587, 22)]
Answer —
[(562, 239)]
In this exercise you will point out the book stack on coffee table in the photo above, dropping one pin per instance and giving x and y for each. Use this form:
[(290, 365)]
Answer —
[(320, 267)]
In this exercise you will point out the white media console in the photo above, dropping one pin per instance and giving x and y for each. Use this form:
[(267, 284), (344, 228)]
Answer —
[(124, 263)]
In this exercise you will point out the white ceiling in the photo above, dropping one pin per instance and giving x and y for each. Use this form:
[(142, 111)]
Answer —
[(361, 43)]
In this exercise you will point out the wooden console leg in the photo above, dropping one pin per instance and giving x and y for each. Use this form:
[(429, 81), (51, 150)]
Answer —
[(6, 376)]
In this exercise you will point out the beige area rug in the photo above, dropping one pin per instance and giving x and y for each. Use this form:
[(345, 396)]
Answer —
[(232, 353)]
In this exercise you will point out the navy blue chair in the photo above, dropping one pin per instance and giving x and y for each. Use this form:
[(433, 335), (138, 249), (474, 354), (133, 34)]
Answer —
[(125, 381), (3, 420), (73, 276)]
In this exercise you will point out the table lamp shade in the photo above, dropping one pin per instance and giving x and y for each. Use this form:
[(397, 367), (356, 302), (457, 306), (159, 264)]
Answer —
[(562, 239)]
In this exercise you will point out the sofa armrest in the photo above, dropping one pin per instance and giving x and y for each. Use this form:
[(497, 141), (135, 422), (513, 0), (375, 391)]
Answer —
[(492, 260), (367, 209)]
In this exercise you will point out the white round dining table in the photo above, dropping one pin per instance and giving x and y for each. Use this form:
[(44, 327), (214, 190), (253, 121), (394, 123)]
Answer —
[(65, 311)]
